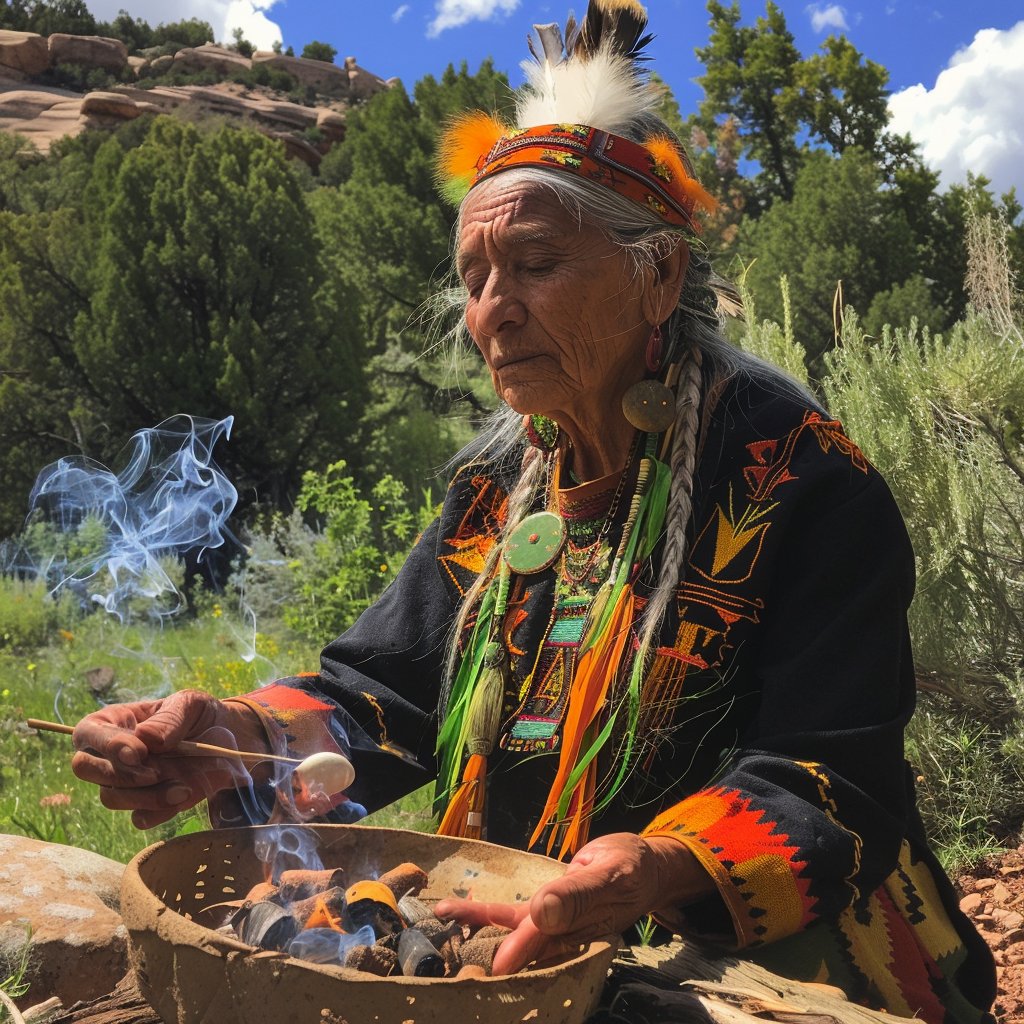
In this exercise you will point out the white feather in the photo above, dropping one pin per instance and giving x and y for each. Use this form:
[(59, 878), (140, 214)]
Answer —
[(603, 92)]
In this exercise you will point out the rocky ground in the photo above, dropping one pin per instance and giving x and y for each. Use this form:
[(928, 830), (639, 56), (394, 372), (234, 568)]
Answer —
[(993, 898)]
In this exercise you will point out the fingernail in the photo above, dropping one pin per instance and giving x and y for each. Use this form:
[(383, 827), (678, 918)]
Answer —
[(128, 755), (550, 911), (178, 795)]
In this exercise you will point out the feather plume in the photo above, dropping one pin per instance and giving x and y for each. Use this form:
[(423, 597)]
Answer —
[(603, 92), (463, 143), (610, 24), (551, 44)]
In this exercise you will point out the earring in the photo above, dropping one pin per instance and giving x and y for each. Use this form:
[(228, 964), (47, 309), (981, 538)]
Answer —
[(654, 349), (649, 406)]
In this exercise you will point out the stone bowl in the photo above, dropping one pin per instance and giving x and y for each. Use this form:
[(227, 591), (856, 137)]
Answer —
[(191, 973)]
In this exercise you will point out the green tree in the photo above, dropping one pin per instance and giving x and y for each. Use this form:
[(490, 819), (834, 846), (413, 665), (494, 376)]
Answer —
[(189, 32), (909, 300), (780, 105), (71, 16), (188, 279), (839, 226), (320, 51), (751, 74), (385, 232), (241, 44), (135, 33)]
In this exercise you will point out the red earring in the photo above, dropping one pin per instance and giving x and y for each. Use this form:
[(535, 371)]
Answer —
[(654, 350)]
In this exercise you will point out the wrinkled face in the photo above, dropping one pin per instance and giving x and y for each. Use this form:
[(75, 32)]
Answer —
[(556, 310)]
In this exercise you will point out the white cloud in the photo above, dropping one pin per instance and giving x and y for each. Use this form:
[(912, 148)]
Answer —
[(224, 15), (832, 16), (453, 13), (970, 120), (400, 13)]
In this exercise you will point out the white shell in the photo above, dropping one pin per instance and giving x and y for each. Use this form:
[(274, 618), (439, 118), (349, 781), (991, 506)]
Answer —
[(333, 773)]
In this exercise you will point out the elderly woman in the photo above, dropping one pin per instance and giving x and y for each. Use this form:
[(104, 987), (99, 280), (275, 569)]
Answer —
[(659, 626)]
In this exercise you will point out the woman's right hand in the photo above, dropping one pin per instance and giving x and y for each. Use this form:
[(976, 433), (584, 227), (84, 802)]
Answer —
[(128, 751)]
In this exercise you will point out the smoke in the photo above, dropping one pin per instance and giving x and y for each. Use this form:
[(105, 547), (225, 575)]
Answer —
[(114, 538)]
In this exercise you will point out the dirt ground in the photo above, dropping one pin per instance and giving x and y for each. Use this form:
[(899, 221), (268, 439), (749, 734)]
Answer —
[(993, 898)]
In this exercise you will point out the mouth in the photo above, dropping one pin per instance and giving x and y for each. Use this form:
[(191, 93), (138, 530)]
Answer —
[(503, 364)]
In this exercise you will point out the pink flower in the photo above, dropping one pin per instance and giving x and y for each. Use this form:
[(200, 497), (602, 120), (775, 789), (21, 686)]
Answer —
[(55, 800)]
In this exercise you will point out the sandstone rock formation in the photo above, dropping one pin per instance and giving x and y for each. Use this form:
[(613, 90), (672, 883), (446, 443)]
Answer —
[(44, 113), (69, 898), (25, 52), (211, 57), (109, 104), (89, 51), (324, 77), (41, 115)]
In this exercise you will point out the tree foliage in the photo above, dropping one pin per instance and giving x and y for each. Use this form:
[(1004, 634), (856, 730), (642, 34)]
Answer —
[(320, 51), (188, 278), (838, 227)]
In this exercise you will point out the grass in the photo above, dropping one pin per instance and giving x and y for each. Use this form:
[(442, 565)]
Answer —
[(39, 795)]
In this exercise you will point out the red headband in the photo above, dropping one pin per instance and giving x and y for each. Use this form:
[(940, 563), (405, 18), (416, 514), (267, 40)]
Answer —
[(651, 174)]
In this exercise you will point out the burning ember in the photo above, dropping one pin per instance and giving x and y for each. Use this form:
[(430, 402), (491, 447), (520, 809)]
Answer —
[(374, 925)]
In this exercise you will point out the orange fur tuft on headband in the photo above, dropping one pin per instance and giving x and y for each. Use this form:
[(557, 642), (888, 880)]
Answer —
[(463, 146), (668, 166)]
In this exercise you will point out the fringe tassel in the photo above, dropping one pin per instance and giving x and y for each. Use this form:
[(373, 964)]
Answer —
[(594, 674), (464, 817)]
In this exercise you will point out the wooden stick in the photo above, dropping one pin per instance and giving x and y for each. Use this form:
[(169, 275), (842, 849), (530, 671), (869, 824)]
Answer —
[(188, 747)]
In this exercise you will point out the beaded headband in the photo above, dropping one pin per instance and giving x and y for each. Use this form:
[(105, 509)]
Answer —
[(652, 175)]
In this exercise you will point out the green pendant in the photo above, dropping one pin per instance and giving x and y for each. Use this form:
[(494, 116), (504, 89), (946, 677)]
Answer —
[(535, 543)]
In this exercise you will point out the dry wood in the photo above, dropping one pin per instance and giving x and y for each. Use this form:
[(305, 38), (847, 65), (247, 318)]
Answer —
[(124, 1005), (687, 984)]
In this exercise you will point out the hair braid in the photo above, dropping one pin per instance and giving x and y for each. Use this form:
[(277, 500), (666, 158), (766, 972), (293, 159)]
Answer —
[(680, 502), (520, 501)]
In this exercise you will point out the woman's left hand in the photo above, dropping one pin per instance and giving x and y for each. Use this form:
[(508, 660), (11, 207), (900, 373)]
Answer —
[(608, 886)]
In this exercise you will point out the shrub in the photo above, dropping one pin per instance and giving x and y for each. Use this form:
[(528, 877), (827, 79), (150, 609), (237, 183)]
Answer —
[(321, 577), (29, 616), (320, 51)]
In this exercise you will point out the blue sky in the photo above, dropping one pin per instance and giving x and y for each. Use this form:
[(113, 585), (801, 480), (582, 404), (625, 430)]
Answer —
[(956, 69)]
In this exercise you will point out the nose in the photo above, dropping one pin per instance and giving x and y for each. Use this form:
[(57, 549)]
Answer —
[(499, 306)]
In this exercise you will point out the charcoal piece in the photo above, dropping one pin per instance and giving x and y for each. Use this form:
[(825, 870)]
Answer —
[(491, 931), (372, 959), (268, 926), (389, 941), (405, 880), (480, 951), (262, 891), (439, 932), (301, 883)]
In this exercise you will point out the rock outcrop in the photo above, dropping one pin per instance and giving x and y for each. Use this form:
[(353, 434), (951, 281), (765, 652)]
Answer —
[(318, 74), (89, 51), (68, 899), (24, 52), (45, 113), (211, 57)]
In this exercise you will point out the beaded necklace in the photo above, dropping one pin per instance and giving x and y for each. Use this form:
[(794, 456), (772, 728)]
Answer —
[(605, 651)]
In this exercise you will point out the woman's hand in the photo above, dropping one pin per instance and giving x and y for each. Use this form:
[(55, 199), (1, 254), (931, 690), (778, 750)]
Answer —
[(609, 885), (128, 751)]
